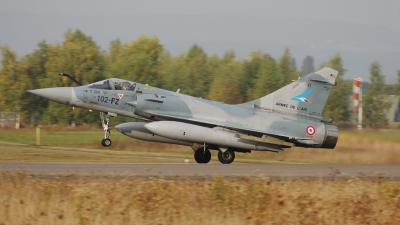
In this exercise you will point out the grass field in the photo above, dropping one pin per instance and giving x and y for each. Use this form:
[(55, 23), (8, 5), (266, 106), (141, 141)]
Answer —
[(254, 200), (236, 201), (83, 144)]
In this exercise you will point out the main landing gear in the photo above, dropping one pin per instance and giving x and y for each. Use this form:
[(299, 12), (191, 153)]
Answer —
[(106, 142), (226, 157), (203, 155)]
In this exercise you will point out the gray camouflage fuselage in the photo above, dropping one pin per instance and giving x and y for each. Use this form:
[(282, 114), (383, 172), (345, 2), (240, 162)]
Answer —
[(291, 116)]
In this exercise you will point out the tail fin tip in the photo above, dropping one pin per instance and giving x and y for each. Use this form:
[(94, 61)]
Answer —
[(327, 74)]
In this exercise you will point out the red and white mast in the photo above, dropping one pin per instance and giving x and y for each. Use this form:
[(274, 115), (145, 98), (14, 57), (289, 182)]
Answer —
[(357, 97)]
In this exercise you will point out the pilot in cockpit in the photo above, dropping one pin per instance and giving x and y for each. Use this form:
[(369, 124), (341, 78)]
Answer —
[(128, 86), (117, 85), (106, 83)]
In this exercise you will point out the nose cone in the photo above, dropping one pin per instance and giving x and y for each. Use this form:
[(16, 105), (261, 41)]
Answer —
[(59, 94)]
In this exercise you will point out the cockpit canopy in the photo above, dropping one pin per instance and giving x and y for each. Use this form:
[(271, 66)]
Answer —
[(114, 84)]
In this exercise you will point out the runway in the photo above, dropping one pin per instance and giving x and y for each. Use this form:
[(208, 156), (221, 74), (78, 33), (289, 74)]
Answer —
[(285, 171)]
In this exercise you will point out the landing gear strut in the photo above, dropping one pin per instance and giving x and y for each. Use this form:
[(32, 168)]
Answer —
[(106, 142), (202, 155), (226, 157)]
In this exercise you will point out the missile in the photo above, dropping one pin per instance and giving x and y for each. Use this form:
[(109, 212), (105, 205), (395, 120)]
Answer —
[(138, 130), (222, 138)]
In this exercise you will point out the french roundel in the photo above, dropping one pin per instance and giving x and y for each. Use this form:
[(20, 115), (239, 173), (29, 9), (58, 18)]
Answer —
[(310, 130)]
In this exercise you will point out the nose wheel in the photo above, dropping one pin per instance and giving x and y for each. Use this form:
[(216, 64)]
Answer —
[(106, 142)]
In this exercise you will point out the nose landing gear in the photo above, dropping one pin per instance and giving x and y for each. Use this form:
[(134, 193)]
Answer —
[(106, 142)]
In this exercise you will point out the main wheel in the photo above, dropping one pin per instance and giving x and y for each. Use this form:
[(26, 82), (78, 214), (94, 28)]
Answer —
[(202, 156), (226, 157), (106, 142)]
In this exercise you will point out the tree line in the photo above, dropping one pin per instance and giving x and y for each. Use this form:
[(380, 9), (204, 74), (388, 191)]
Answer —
[(145, 60)]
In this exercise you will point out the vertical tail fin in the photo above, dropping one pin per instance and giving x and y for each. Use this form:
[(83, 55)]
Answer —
[(306, 96)]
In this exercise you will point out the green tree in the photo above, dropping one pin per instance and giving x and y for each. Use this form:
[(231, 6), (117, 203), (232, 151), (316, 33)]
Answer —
[(15, 82), (163, 70), (251, 68), (226, 84), (37, 72), (190, 72), (176, 75), (136, 61), (308, 65), (286, 69), (115, 49), (268, 78), (214, 63), (294, 66), (398, 83), (374, 103), (337, 106), (80, 56), (198, 72), (393, 88)]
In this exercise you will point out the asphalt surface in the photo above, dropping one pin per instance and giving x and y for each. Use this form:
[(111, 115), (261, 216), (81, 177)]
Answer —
[(285, 171)]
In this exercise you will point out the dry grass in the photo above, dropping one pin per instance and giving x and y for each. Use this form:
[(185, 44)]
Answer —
[(255, 200), (354, 147), (345, 153), (10, 153), (145, 152)]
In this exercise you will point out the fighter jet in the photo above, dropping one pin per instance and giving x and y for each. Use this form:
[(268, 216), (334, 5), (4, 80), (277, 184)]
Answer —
[(290, 116)]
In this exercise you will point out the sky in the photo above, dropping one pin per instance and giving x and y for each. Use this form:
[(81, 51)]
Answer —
[(359, 15), (382, 12)]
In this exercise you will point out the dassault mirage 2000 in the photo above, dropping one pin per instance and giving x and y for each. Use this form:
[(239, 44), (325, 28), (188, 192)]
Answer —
[(290, 116)]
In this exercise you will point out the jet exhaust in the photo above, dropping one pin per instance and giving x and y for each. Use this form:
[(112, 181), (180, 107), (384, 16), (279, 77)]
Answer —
[(331, 137)]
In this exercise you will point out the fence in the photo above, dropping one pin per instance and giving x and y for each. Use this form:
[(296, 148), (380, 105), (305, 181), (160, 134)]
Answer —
[(9, 119)]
